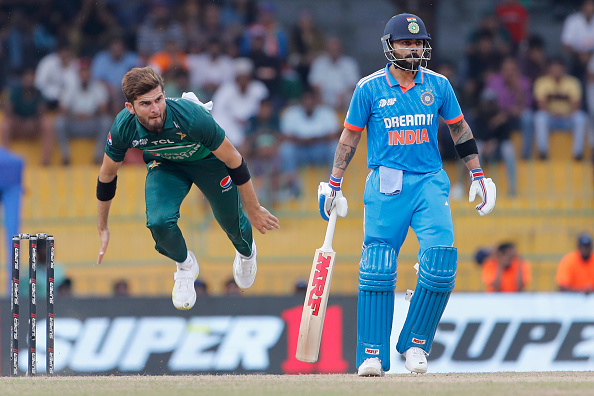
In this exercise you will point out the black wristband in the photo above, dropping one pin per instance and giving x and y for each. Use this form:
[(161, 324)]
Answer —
[(241, 174), (106, 191), (466, 148)]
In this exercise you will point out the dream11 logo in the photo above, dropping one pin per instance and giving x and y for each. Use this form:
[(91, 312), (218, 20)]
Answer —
[(331, 359)]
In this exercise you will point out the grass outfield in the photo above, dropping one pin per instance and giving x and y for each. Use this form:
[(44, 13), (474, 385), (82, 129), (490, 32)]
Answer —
[(541, 383)]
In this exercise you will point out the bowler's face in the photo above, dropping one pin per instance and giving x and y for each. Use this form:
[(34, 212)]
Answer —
[(150, 109)]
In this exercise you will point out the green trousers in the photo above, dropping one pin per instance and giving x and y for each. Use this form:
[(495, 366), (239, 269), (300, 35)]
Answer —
[(168, 183)]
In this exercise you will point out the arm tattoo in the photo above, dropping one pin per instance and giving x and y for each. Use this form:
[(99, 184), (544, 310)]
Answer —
[(460, 132), (344, 155)]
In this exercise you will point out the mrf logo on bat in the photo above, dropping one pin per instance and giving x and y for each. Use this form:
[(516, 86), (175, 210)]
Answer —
[(319, 283)]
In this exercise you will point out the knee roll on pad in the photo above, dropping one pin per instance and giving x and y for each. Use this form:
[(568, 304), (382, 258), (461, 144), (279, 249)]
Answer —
[(375, 309), (437, 276)]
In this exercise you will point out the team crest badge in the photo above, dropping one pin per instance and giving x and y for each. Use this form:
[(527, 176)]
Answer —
[(413, 26), (427, 98)]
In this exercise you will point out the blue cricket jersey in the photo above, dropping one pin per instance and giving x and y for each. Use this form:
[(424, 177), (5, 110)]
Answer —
[(402, 122)]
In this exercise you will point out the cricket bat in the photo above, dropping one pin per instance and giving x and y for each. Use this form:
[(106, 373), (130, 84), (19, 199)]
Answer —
[(316, 298)]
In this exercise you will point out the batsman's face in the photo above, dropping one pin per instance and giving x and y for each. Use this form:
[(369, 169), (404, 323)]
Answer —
[(150, 109), (408, 50)]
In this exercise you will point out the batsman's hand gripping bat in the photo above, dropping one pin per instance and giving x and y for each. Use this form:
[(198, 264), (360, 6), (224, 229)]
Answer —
[(316, 298)]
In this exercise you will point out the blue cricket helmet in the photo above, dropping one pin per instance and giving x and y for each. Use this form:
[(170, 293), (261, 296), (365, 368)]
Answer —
[(402, 27), (406, 26)]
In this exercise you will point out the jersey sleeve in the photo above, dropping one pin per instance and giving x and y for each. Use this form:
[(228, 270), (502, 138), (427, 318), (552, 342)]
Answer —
[(359, 110), (450, 108), (203, 128), (116, 147)]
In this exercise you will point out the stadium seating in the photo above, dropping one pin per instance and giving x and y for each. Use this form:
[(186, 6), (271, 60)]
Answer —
[(554, 203)]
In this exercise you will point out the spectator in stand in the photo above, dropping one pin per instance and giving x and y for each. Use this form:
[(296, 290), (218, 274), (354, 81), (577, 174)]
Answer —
[(534, 61), (121, 289), (211, 68), (203, 23), (190, 21), (577, 38), (65, 288), (493, 135), (25, 41), (262, 143), (26, 116), (310, 135), (237, 101), (178, 82), (334, 75), (54, 72), (576, 269), (514, 17), (482, 60), (91, 26), (300, 287), (230, 288), (307, 41), (109, 66), (130, 14), (491, 25), (482, 254), (200, 287), (172, 57), (83, 113), (239, 12), (267, 68), (514, 100), (559, 98), (506, 271), (275, 40), (157, 29)]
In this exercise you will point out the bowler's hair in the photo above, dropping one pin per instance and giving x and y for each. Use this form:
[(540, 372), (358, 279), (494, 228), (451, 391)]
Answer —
[(139, 81)]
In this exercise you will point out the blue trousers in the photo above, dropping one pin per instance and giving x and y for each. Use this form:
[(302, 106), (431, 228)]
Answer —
[(423, 205)]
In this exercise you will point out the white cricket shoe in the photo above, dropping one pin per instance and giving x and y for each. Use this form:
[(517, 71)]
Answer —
[(183, 294), (371, 367), (416, 360), (244, 268)]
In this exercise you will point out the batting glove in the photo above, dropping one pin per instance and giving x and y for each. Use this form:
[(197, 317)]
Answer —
[(485, 188), (330, 196)]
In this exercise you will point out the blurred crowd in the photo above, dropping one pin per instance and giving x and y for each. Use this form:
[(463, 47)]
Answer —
[(510, 82), (278, 90)]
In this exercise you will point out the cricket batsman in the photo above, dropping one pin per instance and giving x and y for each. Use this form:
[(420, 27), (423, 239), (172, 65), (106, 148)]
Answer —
[(182, 146), (407, 187)]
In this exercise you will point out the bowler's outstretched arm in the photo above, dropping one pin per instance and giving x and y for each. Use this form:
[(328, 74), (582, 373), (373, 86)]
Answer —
[(107, 173)]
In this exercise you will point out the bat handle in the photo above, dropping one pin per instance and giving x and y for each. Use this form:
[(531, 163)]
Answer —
[(327, 246)]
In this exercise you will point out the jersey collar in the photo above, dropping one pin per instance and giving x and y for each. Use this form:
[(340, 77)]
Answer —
[(392, 82)]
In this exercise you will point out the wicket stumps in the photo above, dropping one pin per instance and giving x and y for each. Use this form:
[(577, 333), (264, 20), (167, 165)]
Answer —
[(14, 303)]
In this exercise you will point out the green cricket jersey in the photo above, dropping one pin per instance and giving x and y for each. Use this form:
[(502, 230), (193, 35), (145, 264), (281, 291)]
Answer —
[(189, 134)]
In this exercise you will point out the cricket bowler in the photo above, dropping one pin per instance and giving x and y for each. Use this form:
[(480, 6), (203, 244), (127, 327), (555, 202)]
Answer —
[(182, 146)]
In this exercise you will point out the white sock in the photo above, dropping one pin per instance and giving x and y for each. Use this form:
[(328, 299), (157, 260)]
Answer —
[(186, 264)]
